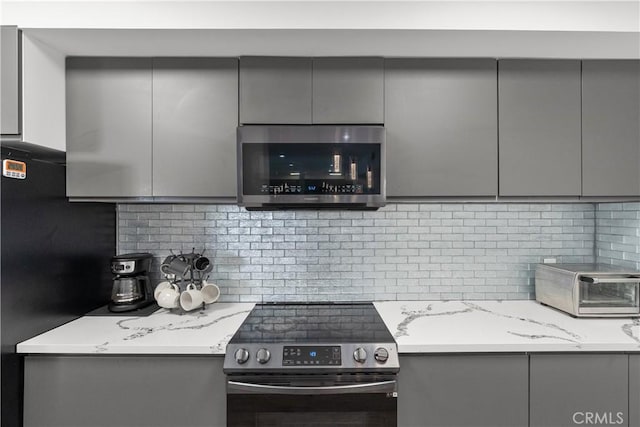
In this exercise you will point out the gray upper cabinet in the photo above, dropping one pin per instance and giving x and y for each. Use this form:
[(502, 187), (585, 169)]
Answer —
[(563, 387), (9, 83), (539, 127), (348, 90), (275, 90), (610, 129), (279, 90), (108, 127), (441, 121), (634, 390), (140, 127), (32, 84), (195, 115), (463, 391)]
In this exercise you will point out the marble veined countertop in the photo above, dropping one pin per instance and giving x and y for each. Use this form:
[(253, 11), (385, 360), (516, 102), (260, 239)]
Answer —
[(417, 326), (163, 332), (502, 326)]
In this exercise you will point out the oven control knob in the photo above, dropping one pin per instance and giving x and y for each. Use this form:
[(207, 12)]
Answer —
[(381, 355), (241, 355), (263, 356), (360, 355)]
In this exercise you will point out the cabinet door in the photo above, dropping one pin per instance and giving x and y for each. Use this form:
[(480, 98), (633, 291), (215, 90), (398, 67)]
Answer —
[(610, 129), (573, 389), (463, 391), (634, 390), (9, 83), (195, 116), (43, 94), (348, 90), (441, 121), (96, 391), (108, 127), (275, 90), (539, 127)]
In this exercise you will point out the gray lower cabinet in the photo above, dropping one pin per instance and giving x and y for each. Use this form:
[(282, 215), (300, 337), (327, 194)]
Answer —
[(441, 121), (275, 90), (463, 391), (348, 90), (104, 391), (539, 127), (109, 127), (634, 390), (575, 389), (195, 116), (610, 129)]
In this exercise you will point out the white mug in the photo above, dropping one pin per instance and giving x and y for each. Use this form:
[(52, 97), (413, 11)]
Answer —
[(191, 298), (161, 286), (210, 292), (168, 297)]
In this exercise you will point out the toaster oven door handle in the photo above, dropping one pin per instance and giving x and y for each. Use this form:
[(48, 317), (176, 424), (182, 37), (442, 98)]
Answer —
[(237, 387), (597, 280)]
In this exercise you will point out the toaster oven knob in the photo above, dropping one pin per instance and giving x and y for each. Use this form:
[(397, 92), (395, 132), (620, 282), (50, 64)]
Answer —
[(381, 355), (263, 356), (360, 355), (241, 355)]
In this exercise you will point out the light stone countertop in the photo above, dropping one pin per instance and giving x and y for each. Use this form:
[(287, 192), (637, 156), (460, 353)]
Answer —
[(417, 326), (163, 332), (507, 326)]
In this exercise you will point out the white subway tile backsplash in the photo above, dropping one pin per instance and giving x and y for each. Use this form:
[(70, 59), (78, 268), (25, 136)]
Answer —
[(402, 251), (617, 231)]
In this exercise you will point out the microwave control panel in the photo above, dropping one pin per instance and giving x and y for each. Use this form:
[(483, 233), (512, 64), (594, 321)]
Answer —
[(313, 187)]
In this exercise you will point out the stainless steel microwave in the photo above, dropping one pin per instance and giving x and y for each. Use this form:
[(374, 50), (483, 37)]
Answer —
[(589, 290), (311, 166)]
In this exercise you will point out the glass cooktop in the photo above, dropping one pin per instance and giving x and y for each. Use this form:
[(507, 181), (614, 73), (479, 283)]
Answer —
[(313, 323)]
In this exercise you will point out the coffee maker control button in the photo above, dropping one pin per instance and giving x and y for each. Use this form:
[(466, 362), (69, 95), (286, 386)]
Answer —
[(263, 356), (241, 355)]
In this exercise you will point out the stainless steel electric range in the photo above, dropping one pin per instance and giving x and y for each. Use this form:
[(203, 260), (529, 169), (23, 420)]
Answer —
[(308, 364)]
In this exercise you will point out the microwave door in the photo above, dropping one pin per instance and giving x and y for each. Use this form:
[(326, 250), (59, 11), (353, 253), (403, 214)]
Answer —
[(311, 166)]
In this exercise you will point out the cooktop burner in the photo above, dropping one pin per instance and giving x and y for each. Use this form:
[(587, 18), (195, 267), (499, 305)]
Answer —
[(335, 337), (313, 323)]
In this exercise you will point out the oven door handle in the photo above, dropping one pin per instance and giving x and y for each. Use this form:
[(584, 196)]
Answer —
[(235, 387)]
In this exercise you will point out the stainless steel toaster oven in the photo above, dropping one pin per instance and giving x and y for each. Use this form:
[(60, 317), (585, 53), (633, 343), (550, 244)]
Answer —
[(589, 290)]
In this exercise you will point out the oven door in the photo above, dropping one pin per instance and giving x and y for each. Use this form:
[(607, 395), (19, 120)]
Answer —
[(312, 400), (609, 295)]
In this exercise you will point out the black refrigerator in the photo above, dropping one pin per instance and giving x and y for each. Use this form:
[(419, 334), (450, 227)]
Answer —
[(54, 266)]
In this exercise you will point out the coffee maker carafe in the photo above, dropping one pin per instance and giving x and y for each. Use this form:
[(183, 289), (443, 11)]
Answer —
[(131, 286)]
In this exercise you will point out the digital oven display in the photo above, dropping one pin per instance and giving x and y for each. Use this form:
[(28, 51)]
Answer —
[(326, 355)]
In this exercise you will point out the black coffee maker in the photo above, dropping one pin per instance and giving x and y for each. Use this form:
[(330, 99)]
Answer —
[(131, 286)]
